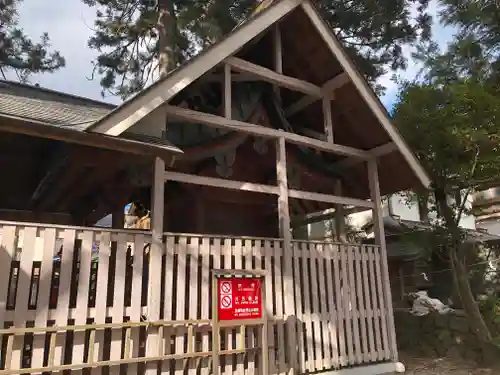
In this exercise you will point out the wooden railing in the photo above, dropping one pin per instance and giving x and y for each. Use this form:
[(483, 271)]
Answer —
[(74, 298)]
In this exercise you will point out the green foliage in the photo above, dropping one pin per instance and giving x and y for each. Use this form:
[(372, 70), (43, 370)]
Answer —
[(480, 18), (454, 130), (128, 39), (20, 53)]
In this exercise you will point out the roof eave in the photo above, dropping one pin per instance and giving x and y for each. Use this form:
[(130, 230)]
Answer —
[(43, 130)]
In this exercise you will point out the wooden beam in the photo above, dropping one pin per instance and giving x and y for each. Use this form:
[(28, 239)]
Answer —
[(329, 87), (378, 230), (262, 131), (374, 152), (235, 77), (327, 214), (164, 89), (220, 183), (66, 134), (275, 78), (227, 92), (36, 217), (364, 90), (319, 197)]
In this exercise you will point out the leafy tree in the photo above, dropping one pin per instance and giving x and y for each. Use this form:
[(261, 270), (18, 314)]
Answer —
[(18, 52), (477, 45), (139, 39), (454, 128)]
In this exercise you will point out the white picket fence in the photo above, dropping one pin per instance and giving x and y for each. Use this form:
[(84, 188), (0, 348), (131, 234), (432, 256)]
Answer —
[(89, 312)]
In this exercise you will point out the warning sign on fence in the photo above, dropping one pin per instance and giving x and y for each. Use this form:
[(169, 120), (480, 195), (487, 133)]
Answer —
[(239, 298)]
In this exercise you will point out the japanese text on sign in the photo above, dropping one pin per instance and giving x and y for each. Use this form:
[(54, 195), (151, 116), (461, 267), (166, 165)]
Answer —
[(239, 298)]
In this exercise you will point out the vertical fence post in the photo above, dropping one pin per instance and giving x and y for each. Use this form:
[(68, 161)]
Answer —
[(378, 225), (154, 293)]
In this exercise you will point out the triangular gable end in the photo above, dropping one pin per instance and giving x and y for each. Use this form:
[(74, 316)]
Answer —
[(160, 92), (163, 90)]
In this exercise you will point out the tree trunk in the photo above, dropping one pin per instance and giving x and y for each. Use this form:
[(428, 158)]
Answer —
[(423, 206), (460, 274), (167, 36)]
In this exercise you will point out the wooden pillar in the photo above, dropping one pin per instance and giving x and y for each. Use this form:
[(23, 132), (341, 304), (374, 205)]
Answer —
[(327, 117), (118, 218), (340, 227), (378, 228), (155, 261), (227, 105), (286, 234)]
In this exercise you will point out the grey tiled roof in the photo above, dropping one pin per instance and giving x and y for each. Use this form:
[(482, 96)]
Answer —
[(60, 109), (49, 107)]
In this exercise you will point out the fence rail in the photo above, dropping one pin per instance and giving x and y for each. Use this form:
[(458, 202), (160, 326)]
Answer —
[(74, 299)]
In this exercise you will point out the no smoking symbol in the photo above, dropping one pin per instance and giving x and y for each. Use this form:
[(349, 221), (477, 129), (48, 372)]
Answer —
[(225, 287), (226, 302)]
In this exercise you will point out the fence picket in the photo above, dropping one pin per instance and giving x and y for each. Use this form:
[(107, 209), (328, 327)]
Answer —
[(194, 282), (365, 355), (206, 284), (118, 310), (339, 302), (297, 257), (332, 309), (337, 265), (376, 307), (268, 256), (181, 250), (323, 306), (101, 298), (308, 310), (381, 300), (368, 304)]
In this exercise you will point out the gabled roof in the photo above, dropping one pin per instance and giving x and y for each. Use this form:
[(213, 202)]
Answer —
[(64, 116), (135, 109)]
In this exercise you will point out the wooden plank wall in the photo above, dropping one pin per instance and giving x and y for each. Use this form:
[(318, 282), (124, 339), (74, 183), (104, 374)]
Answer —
[(87, 312)]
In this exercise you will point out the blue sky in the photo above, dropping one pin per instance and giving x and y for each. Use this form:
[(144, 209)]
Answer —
[(69, 24)]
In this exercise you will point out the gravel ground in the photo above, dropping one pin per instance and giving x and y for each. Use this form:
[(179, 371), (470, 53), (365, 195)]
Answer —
[(443, 366)]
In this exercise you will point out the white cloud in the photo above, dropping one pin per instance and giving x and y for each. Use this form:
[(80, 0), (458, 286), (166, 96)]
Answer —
[(69, 24)]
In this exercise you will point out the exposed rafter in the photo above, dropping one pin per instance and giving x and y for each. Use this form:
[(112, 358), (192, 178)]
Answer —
[(374, 152), (261, 131), (275, 78), (329, 88)]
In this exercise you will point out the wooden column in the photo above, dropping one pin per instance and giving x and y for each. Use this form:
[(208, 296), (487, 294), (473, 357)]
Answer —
[(340, 227), (227, 105), (278, 50), (118, 218), (378, 230), (286, 234), (327, 117), (154, 292)]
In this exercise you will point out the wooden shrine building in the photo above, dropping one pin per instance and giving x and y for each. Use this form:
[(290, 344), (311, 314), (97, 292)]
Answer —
[(272, 123)]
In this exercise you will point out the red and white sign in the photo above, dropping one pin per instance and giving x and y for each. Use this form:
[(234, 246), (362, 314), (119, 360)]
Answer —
[(239, 298)]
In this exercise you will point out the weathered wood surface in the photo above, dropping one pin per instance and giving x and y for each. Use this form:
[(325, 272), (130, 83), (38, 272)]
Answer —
[(66, 306)]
